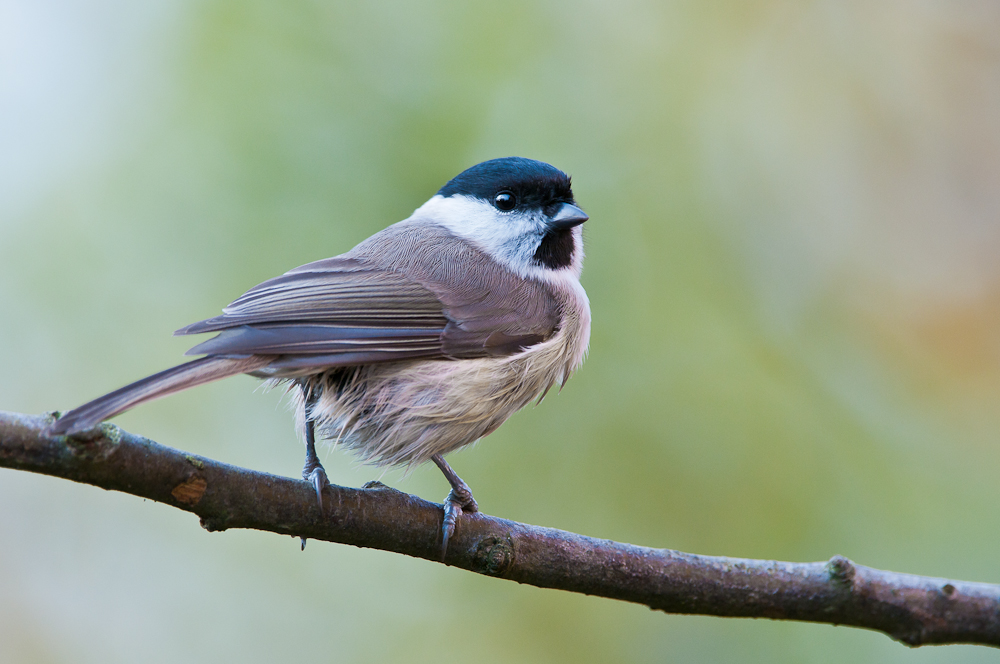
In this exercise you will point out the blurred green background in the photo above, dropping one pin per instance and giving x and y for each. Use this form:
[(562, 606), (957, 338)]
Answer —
[(792, 264)]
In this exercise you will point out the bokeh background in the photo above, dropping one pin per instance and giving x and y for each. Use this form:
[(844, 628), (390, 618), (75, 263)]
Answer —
[(792, 263)]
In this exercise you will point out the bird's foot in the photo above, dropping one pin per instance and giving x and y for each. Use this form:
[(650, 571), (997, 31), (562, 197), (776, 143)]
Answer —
[(314, 473), (458, 502)]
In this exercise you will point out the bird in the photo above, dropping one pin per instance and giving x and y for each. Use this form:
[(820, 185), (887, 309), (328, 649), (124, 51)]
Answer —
[(420, 340)]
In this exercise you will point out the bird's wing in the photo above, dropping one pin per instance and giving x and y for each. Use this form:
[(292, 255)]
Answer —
[(490, 309), (365, 307), (339, 308)]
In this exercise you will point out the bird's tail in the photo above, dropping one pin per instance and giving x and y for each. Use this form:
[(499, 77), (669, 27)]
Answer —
[(197, 372)]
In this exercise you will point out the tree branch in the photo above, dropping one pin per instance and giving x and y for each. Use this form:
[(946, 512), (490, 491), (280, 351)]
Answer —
[(916, 610)]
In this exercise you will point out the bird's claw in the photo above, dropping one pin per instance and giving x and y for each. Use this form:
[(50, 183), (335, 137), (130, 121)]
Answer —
[(317, 477), (458, 502)]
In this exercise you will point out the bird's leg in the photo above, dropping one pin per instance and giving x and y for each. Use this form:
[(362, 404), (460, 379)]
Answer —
[(459, 500), (313, 470)]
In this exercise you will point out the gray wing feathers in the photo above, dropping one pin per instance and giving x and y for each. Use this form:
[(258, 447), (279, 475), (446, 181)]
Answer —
[(333, 306), (412, 291), (316, 338), (321, 293), (178, 378)]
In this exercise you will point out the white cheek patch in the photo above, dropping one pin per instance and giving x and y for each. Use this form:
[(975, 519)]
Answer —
[(511, 238)]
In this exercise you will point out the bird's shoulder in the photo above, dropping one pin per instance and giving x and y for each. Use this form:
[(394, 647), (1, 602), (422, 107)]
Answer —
[(479, 294)]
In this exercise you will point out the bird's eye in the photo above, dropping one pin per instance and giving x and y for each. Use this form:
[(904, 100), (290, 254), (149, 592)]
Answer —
[(505, 201)]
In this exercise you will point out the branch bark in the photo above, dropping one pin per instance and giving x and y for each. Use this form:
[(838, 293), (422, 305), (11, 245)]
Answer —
[(916, 610)]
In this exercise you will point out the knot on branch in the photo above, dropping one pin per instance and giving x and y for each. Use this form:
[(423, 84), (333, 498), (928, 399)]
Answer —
[(494, 556), (841, 570), (92, 444)]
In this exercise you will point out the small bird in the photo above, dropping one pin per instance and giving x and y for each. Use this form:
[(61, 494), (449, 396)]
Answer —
[(422, 339)]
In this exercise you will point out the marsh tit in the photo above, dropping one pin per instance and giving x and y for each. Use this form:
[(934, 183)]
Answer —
[(422, 339)]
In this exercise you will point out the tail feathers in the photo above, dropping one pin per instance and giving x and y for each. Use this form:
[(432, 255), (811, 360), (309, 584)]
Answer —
[(190, 374)]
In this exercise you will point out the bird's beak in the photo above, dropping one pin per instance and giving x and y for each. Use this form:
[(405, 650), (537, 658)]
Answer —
[(568, 216)]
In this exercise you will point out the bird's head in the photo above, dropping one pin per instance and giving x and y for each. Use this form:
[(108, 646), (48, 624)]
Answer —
[(520, 211)]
